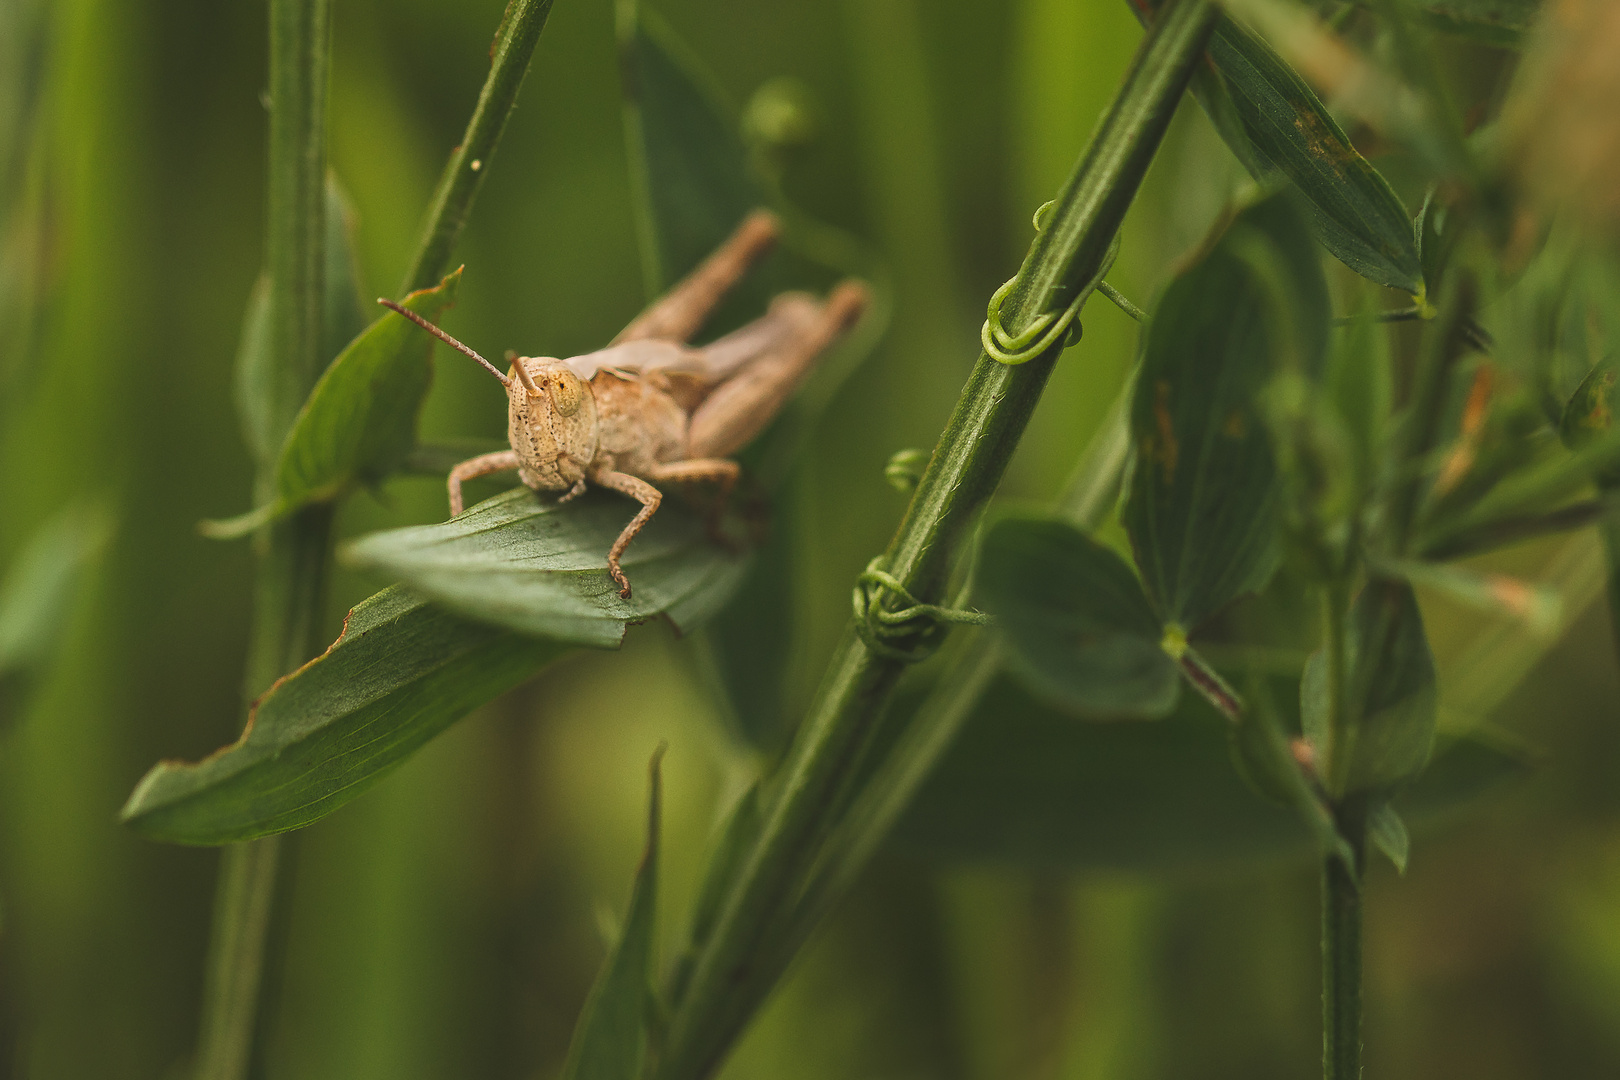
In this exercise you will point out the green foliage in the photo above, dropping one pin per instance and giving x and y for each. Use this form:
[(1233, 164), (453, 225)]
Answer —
[(1354, 212), (522, 561), (1078, 624), (1202, 510), (1493, 22), (359, 423), (401, 673)]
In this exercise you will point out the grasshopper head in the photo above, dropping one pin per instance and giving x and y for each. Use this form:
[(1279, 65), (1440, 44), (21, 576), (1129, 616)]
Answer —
[(552, 422)]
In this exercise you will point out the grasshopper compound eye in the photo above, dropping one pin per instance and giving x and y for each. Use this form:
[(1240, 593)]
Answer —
[(567, 391)]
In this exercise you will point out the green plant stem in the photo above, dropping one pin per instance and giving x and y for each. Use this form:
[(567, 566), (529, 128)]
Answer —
[(1341, 950), (729, 978), (290, 583), (1335, 755), (464, 173)]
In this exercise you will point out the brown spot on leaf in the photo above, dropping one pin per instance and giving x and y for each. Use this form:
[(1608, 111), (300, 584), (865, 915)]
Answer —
[(1165, 448), (1235, 427)]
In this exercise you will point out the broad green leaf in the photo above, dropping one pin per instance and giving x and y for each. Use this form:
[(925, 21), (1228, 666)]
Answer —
[(37, 595), (610, 1039), (528, 563), (1078, 626), (1355, 213), (1389, 696), (1203, 505), (344, 317), (359, 423), (1025, 784), (402, 671)]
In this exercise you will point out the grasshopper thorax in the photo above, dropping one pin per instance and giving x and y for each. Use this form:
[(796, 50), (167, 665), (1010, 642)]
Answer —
[(551, 422)]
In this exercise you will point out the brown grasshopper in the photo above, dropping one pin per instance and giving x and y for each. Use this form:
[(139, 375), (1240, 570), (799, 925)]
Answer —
[(649, 408)]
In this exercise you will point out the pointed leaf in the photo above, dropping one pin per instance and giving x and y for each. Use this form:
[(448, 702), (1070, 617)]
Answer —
[(1390, 693), (1590, 413), (1078, 626), (264, 425), (38, 592), (526, 562), (402, 671), (1353, 210), (1025, 784), (1388, 834), (1202, 512), (610, 1040), (359, 423)]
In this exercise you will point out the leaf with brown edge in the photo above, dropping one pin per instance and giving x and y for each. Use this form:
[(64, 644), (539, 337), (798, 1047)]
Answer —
[(402, 671)]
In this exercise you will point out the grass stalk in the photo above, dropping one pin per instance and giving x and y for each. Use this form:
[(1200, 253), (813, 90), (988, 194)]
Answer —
[(1341, 950), (736, 968), (293, 555)]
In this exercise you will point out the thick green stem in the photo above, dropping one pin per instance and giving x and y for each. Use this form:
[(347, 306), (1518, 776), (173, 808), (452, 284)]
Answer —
[(464, 173), (1341, 950), (290, 584), (734, 970)]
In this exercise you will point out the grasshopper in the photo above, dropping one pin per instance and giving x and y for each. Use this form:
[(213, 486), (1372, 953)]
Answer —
[(650, 408)]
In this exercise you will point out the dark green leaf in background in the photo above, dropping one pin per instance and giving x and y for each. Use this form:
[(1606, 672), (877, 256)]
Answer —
[(1026, 785), (1390, 693), (1077, 623), (37, 595), (689, 166), (1202, 511), (1355, 213), (402, 671), (524, 562), (610, 1040)]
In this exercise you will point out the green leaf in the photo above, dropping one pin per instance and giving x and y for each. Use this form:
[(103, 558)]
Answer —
[(344, 318), (610, 1040), (1355, 213), (689, 166), (1025, 784), (1590, 413), (1389, 696), (38, 593), (1388, 834), (402, 671), (1078, 626), (359, 423), (526, 562), (1203, 505)]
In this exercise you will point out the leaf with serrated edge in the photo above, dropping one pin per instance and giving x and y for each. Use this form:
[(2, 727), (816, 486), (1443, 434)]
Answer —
[(402, 671), (1077, 623), (610, 1040), (1202, 511), (523, 561)]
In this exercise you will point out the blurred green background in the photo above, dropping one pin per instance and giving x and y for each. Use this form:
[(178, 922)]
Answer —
[(446, 924)]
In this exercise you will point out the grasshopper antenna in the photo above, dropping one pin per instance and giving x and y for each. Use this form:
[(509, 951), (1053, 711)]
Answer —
[(447, 339)]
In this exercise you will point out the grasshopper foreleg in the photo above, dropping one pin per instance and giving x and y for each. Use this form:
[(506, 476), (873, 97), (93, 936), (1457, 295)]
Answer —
[(482, 465)]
